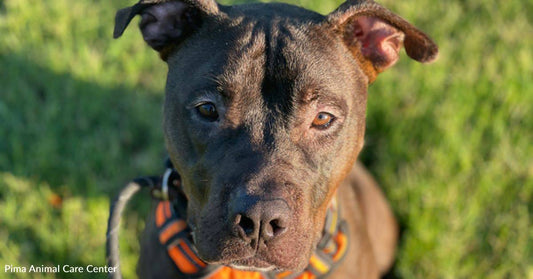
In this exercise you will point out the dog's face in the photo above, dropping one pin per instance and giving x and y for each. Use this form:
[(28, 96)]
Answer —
[(264, 116), (257, 113)]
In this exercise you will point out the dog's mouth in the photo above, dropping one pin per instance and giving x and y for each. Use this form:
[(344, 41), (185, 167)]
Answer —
[(261, 261), (252, 264), (249, 263)]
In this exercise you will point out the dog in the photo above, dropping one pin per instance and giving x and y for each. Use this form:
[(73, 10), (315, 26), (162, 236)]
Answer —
[(264, 118)]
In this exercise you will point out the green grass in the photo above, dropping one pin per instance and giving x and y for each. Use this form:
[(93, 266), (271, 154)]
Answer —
[(450, 143)]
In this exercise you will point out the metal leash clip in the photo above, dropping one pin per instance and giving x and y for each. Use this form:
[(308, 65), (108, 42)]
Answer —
[(162, 193)]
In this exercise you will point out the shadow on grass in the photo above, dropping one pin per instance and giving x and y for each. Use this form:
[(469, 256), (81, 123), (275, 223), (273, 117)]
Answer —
[(79, 137), (81, 140)]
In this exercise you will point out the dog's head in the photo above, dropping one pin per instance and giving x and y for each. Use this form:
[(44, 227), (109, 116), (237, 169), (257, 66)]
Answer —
[(264, 115)]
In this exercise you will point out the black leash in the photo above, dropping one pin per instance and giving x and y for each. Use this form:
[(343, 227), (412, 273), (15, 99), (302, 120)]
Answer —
[(161, 187), (115, 214)]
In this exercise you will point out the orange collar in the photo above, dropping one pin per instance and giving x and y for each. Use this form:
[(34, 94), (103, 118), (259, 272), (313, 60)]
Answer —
[(174, 234)]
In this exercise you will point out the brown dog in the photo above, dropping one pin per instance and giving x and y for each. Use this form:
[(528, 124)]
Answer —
[(264, 118)]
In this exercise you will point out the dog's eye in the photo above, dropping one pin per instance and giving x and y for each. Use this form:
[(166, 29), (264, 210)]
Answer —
[(323, 120), (208, 111)]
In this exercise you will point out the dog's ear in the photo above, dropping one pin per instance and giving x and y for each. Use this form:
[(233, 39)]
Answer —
[(375, 36), (165, 23)]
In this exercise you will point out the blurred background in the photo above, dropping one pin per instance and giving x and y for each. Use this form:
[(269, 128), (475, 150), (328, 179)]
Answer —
[(451, 143)]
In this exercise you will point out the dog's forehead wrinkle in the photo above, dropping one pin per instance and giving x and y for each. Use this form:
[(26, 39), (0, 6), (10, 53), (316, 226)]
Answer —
[(278, 87), (247, 44), (251, 76), (240, 76)]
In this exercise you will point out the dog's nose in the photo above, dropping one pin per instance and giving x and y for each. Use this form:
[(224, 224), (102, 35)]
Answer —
[(261, 220)]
